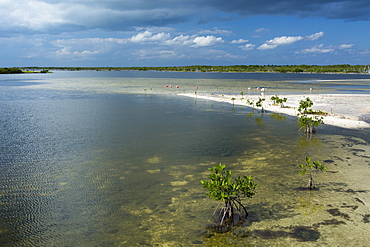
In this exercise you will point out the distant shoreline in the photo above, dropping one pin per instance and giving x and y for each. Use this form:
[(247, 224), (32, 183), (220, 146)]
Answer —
[(15, 70), (298, 69)]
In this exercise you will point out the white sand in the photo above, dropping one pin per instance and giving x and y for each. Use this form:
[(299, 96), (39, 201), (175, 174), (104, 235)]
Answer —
[(345, 110)]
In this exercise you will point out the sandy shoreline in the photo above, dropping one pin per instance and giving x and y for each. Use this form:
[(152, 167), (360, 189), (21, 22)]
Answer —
[(345, 110)]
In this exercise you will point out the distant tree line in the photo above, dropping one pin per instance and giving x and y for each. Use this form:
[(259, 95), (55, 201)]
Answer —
[(20, 71), (341, 68), (10, 71)]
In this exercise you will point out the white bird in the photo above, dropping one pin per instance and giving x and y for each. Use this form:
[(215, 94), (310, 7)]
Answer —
[(263, 89)]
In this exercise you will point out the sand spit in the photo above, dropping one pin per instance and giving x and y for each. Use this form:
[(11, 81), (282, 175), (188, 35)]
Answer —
[(344, 110)]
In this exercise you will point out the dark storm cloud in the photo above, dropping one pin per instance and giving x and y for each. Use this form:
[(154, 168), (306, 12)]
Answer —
[(69, 15), (329, 9)]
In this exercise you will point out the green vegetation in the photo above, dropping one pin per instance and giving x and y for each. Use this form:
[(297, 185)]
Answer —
[(250, 102), (20, 71), (304, 105), (10, 71), (342, 68), (223, 188), (278, 100), (259, 103), (309, 123), (310, 168)]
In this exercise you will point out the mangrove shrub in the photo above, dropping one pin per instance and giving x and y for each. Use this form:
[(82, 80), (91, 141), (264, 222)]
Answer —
[(310, 168), (228, 191)]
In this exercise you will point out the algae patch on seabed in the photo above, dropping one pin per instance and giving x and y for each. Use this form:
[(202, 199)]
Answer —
[(283, 215), (177, 212), (175, 217), (153, 160)]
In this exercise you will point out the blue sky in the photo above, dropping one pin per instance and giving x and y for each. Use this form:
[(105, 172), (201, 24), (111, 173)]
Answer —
[(183, 32)]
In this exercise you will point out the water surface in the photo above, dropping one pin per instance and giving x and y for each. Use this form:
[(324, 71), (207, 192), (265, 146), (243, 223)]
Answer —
[(115, 159)]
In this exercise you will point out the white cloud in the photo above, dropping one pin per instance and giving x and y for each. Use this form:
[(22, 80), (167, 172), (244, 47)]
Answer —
[(346, 46), (216, 31), (85, 47), (315, 36), (239, 41), (92, 46), (68, 51), (206, 41), (267, 47), (288, 40), (34, 15), (247, 47), (262, 29), (194, 41), (316, 49), (283, 40), (149, 37), (181, 40)]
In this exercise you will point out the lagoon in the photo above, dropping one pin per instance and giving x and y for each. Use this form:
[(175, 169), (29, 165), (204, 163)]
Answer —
[(114, 158)]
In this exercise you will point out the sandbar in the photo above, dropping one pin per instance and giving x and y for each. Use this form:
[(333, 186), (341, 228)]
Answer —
[(344, 110)]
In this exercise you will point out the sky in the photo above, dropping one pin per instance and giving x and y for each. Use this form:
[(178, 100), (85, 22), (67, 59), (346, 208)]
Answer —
[(124, 33)]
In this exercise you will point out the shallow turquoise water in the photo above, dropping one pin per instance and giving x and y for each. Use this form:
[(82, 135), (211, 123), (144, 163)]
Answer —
[(96, 160)]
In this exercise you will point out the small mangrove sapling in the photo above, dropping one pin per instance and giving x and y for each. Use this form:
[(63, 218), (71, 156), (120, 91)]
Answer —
[(224, 188), (250, 102), (259, 103), (278, 100), (304, 105), (307, 123), (310, 168)]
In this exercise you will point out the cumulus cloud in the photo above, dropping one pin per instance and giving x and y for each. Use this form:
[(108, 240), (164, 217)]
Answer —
[(194, 41), (149, 37), (206, 41), (181, 40), (278, 41), (315, 36), (90, 46), (346, 46), (288, 40), (239, 41), (247, 47), (322, 49), (316, 49)]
